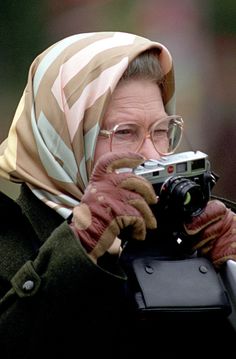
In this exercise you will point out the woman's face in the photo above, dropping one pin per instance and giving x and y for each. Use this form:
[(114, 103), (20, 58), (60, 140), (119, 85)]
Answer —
[(137, 101)]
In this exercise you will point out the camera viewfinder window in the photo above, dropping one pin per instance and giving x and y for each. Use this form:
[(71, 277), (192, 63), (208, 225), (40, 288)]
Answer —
[(198, 164), (181, 167)]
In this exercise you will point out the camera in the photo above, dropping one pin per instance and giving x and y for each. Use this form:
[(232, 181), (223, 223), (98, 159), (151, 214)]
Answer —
[(164, 274), (183, 184)]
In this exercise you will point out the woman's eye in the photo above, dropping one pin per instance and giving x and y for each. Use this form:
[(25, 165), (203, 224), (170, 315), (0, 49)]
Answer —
[(160, 132), (125, 132)]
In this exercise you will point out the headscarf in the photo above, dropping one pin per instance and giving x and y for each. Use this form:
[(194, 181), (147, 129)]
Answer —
[(52, 139)]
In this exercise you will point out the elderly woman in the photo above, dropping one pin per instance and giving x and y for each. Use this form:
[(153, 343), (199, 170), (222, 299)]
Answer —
[(94, 103)]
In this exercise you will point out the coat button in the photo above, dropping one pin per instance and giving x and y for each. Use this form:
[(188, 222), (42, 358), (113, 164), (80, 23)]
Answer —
[(28, 285)]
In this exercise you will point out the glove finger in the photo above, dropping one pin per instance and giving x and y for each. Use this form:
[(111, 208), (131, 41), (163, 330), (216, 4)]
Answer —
[(146, 211), (105, 210), (112, 161), (137, 223), (225, 247), (132, 203), (140, 185), (114, 228), (209, 234), (214, 211)]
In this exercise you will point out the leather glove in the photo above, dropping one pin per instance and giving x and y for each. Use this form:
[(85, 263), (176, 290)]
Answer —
[(112, 201), (215, 228)]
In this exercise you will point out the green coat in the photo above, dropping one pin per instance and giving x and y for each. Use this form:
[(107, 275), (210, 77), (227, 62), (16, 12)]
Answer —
[(54, 301), (50, 289)]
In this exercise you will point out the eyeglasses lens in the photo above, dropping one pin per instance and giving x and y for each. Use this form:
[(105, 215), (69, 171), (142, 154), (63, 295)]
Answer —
[(165, 135)]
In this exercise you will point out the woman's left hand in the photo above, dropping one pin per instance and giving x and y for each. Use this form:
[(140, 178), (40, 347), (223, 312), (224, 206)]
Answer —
[(216, 230)]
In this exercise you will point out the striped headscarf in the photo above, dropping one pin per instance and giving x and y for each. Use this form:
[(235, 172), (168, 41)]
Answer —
[(53, 135)]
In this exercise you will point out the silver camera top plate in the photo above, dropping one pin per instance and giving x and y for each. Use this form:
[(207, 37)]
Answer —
[(185, 164)]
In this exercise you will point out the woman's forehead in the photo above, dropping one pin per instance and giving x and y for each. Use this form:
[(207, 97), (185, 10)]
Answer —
[(134, 100)]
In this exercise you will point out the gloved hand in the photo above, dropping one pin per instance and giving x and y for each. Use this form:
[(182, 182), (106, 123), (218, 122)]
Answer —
[(216, 230), (113, 201)]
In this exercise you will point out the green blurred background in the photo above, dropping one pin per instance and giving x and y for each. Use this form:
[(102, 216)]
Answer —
[(201, 35)]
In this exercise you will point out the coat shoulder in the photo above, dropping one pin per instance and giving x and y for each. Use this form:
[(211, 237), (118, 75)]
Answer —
[(17, 238)]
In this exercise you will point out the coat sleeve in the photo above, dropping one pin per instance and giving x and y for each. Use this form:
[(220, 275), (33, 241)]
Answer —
[(60, 277)]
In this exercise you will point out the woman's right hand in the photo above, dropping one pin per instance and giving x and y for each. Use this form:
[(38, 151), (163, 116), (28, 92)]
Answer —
[(113, 201)]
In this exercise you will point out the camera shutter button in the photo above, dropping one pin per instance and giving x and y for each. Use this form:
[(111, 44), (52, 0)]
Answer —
[(150, 164)]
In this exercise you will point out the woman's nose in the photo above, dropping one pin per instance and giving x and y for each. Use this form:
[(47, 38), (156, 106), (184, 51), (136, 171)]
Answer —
[(148, 150)]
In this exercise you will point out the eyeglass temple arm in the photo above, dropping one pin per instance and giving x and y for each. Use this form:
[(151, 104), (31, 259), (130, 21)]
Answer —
[(105, 133)]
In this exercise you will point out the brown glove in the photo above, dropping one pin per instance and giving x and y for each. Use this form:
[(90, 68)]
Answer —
[(216, 229), (113, 201)]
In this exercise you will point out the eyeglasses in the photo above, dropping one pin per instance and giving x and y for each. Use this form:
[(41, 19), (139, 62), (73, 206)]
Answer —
[(165, 135)]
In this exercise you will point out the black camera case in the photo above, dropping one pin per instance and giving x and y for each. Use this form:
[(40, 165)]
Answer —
[(186, 286)]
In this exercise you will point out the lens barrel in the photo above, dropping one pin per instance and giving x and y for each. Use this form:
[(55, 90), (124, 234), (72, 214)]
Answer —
[(181, 197)]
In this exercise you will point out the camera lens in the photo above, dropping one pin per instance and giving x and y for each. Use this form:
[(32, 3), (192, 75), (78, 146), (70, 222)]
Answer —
[(191, 198), (181, 197)]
